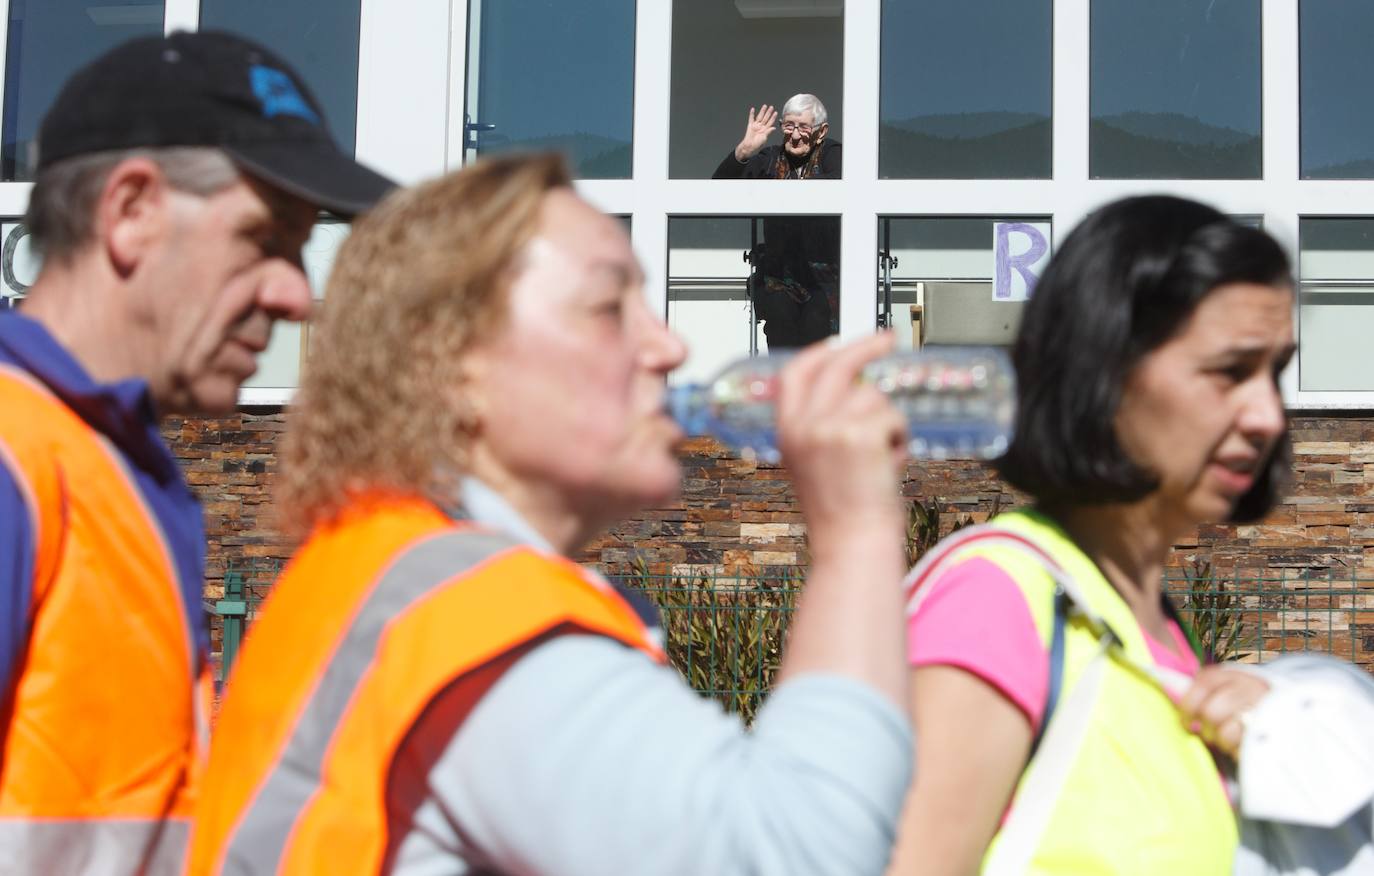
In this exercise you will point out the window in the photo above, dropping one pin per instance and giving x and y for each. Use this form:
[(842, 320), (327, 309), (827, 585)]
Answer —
[(549, 74), (1336, 78), (279, 366), (742, 286), (965, 89), (319, 38), (1335, 316), (708, 292), (730, 55), (47, 41), (959, 279), (1175, 89), (961, 110)]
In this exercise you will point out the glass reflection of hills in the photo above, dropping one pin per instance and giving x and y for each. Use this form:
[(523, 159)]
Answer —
[(1362, 168), (1008, 145), (1170, 146), (996, 145), (590, 156)]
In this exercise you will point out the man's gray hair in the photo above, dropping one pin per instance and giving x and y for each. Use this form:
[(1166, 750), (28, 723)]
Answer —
[(806, 103), (61, 214)]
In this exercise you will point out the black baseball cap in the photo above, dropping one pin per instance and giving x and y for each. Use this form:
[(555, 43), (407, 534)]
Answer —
[(209, 89)]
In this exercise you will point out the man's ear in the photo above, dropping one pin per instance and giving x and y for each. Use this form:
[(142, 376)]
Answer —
[(132, 214), (822, 131)]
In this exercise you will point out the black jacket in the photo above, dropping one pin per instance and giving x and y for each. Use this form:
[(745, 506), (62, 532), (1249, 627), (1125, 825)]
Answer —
[(760, 165), (795, 282)]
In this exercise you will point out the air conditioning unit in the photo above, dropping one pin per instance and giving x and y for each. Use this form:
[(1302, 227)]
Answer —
[(790, 8), (965, 313)]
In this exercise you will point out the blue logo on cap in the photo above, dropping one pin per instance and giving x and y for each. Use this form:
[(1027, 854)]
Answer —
[(279, 94)]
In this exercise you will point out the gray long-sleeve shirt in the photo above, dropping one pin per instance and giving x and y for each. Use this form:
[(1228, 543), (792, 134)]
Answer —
[(586, 757)]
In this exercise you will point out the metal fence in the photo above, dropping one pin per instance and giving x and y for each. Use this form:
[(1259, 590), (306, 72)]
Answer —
[(725, 633), (1254, 618)]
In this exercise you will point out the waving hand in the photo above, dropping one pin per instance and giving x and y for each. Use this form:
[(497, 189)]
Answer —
[(756, 132)]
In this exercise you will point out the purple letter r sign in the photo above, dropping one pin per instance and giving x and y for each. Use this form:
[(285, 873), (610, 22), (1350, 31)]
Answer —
[(1031, 249)]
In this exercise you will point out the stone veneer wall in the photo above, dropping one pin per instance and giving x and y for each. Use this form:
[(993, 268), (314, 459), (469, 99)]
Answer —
[(737, 517), (230, 463)]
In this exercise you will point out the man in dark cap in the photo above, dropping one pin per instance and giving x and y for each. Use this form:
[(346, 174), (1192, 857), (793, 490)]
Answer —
[(177, 180)]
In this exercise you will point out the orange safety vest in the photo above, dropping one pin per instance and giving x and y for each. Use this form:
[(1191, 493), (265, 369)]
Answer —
[(381, 616), (104, 724)]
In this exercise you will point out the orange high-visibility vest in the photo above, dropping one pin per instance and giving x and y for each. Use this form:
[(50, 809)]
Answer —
[(379, 615), (104, 725)]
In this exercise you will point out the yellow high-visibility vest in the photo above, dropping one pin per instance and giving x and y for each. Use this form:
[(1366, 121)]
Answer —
[(1138, 793)]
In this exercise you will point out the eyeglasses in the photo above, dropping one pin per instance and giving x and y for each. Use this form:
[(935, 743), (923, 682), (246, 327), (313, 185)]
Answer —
[(789, 127)]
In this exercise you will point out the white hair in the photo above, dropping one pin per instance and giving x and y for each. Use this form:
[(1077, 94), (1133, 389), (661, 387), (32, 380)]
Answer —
[(803, 103)]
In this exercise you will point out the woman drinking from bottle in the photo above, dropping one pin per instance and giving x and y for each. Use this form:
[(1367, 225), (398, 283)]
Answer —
[(435, 685)]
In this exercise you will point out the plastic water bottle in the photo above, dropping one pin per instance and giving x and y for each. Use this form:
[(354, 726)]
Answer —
[(958, 402)]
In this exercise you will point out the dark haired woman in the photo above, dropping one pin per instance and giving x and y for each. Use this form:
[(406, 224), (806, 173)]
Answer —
[(1148, 364), (795, 287)]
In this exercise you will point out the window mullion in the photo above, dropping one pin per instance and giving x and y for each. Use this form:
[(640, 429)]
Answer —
[(403, 82), (181, 15), (455, 145), (1071, 196), (856, 195), (652, 86), (1282, 191)]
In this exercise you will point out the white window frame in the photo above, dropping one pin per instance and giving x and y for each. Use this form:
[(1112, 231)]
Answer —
[(403, 103), (1279, 197), (412, 83), (403, 90)]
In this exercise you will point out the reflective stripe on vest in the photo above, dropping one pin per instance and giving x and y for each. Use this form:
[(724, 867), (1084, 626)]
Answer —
[(428, 603), (107, 846), (294, 780), (1142, 796)]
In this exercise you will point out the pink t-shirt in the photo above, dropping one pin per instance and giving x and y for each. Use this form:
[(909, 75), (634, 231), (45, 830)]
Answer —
[(975, 617)]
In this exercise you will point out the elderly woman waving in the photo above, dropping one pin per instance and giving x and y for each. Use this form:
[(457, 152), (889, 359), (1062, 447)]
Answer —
[(805, 151), (795, 287)]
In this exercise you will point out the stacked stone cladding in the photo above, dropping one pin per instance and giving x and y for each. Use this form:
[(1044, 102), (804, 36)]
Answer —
[(738, 517), (231, 465)]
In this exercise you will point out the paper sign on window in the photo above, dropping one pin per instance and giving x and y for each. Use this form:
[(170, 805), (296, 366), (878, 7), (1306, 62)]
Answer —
[(1020, 251), (18, 264)]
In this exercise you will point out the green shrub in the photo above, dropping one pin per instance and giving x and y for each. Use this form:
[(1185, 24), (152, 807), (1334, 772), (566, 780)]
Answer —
[(725, 633), (1214, 612)]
